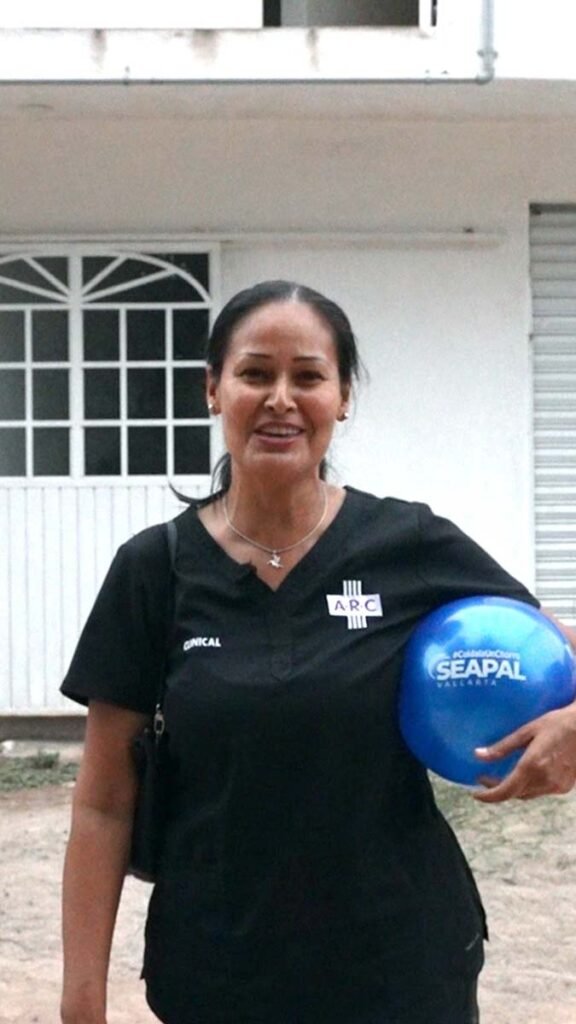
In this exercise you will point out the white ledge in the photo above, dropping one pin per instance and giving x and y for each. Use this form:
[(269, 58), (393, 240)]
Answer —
[(246, 55), (381, 238)]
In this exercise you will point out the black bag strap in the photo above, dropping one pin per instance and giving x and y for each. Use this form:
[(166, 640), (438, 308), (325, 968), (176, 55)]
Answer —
[(172, 542)]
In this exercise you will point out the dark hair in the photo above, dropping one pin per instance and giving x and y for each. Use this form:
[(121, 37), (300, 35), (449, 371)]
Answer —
[(242, 305), (251, 299), (246, 302)]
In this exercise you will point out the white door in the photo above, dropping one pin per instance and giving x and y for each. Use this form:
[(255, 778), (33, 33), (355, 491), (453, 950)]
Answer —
[(101, 403)]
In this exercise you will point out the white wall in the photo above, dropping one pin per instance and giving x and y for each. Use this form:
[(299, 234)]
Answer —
[(128, 14), (445, 416), (535, 40), (444, 331), (532, 41)]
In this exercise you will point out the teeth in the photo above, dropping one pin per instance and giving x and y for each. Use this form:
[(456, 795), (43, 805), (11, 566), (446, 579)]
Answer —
[(281, 433)]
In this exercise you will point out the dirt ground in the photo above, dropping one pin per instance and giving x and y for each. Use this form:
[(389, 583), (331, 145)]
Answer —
[(524, 857)]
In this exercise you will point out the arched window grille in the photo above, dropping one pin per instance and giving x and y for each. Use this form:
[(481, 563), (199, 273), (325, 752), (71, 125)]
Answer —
[(102, 364)]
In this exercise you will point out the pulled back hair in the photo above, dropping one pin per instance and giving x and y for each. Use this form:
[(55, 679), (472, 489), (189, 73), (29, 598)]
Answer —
[(246, 302)]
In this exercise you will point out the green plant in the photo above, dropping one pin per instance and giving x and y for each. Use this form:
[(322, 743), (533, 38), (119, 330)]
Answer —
[(41, 769)]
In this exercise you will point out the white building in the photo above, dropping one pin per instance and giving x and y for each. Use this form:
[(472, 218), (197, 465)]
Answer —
[(420, 168)]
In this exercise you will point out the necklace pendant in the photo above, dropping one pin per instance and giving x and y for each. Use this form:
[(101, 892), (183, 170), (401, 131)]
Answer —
[(275, 561)]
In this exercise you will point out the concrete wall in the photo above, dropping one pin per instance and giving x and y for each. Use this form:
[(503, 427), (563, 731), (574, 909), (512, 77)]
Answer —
[(444, 329)]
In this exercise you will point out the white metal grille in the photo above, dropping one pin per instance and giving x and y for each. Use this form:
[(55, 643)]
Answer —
[(553, 275), (101, 400), (102, 366)]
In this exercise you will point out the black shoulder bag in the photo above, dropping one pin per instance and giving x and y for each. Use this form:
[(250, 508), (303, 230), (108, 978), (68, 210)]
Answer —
[(150, 750)]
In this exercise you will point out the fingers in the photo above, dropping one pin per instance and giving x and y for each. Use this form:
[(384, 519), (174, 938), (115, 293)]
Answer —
[(499, 793), (498, 790), (532, 777), (507, 745), (547, 765)]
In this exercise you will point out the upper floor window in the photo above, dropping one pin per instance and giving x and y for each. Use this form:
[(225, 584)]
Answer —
[(102, 364), (318, 13)]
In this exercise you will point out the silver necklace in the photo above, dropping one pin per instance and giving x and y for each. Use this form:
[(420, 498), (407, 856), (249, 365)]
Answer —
[(275, 553)]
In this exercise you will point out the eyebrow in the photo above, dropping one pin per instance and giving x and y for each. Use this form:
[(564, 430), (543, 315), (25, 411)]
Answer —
[(266, 355)]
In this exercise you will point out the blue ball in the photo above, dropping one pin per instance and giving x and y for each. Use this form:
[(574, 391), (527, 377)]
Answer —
[(474, 671)]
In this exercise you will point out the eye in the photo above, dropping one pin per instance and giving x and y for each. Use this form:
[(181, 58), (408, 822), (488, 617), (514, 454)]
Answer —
[(253, 373), (310, 376)]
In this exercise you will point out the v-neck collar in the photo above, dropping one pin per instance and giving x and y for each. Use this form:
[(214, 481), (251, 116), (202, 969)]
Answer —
[(329, 540)]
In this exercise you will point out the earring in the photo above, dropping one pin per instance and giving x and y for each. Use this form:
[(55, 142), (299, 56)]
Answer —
[(210, 407), (345, 415)]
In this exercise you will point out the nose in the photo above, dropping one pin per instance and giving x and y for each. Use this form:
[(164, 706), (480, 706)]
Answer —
[(280, 398)]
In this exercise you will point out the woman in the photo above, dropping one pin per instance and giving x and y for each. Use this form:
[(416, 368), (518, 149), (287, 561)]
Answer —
[(306, 876)]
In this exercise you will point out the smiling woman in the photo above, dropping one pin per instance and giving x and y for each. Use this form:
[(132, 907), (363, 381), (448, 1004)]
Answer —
[(280, 390), (282, 360), (306, 873), (280, 395)]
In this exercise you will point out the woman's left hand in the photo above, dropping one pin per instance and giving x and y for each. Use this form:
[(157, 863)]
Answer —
[(547, 766)]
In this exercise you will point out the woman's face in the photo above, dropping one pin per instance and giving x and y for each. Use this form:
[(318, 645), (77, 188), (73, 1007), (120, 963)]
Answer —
[(279, 392)]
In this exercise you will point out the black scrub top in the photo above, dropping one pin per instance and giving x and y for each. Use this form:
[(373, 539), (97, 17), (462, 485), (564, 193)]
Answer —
[(306, 873)]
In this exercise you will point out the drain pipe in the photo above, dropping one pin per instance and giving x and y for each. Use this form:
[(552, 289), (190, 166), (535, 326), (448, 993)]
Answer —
[(487, 53)]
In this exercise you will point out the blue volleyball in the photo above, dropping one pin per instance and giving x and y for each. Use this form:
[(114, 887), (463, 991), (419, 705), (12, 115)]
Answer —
[(474, 671)]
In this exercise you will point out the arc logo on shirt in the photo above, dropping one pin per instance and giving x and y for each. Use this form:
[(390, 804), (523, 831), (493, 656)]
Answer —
[(353, 605), (201, 641)]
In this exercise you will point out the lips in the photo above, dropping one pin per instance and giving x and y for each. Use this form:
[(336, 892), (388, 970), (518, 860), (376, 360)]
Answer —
[(279, 430)]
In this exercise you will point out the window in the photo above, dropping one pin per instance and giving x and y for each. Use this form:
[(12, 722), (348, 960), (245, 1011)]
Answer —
[(317, 13), (102, 364)]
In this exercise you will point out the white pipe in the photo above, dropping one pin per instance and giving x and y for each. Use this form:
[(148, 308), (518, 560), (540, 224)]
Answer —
[(487, 52)]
